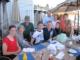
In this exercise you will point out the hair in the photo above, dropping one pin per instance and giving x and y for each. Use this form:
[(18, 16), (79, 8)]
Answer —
[(65, 14), (40, 22), (12, 26), (57, 22), (20, 26), (49, 11), (49, 22), (57, 16), (27, 17)]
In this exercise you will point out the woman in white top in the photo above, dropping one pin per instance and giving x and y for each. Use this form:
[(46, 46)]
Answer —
[(38, 34)]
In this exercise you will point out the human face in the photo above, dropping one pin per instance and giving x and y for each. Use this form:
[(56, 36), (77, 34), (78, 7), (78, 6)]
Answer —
[(66, 17), (12, 31), (57, 25), (27, 22), (56, 17), (49, 13), (49, 25), (40, 26), (21, 30)]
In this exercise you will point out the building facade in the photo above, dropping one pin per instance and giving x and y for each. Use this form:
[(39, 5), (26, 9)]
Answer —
[(39, 13), (26, 7)]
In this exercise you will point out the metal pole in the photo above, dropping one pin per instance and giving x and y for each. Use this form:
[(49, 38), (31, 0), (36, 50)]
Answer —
[(0, 15), (1, 18), (5, 22), (78, 15)]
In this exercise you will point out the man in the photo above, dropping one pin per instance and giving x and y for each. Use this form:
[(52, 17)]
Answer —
[(48, 18), (48, 32), (29, 28), (38, 34)]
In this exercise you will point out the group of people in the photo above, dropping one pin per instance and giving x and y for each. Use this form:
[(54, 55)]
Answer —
[(25, 35)]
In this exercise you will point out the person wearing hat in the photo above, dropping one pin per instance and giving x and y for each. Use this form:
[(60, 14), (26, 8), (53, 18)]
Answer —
[(29, 29)]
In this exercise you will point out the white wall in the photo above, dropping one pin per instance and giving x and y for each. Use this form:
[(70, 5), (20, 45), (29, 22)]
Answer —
[(26, 8), (9, 10)]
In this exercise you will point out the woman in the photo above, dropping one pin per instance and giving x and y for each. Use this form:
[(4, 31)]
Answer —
[(57, 29), (23, 43), (56, 19), (10, 45)]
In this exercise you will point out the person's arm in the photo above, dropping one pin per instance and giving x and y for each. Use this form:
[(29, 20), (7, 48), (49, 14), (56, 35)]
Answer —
[(32, 27), (54, 33), (19, 48), (5, 52), (33, 38)]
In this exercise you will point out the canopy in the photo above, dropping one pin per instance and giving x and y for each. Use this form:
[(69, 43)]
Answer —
[(66, 6), (69, 5)]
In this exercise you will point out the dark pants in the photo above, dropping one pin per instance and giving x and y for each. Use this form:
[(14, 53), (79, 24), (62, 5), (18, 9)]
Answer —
[(78, 57), (76, 32), (10, 56), (4, 58)]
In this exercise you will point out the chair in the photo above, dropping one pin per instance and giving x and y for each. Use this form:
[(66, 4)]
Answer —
[(4, 58)]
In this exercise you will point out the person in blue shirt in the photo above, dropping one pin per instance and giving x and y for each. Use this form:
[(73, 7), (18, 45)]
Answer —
[(48, 32), (48, 18)]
